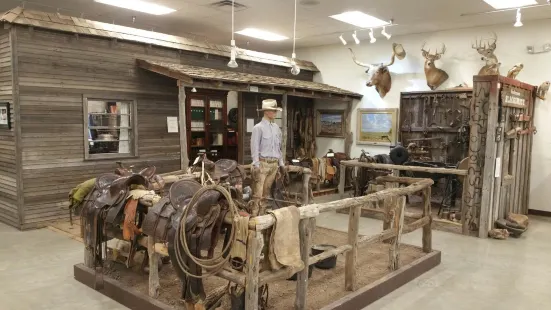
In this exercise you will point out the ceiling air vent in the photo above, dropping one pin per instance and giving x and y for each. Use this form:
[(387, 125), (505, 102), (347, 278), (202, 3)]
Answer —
[(225, 5)]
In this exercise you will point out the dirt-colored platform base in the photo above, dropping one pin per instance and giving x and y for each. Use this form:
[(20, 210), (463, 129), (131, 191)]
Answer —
[(326, 287), (355, 300)]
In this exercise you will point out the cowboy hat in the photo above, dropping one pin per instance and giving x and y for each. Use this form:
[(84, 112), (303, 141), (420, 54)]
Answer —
[(269, 105)]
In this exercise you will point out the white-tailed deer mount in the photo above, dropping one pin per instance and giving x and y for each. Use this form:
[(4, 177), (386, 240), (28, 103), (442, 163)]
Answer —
[(515, 70), (435, 77), (487, 51), (380, 76), (543, 89)]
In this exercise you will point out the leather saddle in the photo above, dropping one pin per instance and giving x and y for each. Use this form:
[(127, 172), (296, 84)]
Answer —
[(203, 224)]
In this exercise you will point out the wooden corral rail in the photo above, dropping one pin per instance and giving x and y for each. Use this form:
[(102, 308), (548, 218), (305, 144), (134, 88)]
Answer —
[(396, 227), (395, 170)]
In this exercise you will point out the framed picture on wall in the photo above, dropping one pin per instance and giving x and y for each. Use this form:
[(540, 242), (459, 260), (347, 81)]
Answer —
[(5, 115), (376, 126), (330, 123)]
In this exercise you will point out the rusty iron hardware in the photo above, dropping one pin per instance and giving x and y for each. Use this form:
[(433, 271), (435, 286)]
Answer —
[(520, 117), (499, 132)]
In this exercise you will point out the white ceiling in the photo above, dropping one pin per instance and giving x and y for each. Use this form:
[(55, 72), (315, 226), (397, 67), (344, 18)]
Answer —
[(197, 19)]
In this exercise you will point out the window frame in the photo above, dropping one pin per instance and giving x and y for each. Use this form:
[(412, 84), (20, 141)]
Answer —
[(133, 121)]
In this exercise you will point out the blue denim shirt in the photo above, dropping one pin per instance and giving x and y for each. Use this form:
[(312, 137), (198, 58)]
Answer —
[(266, 141)]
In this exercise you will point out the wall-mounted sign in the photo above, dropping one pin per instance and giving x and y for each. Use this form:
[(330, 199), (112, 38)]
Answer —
[(172, 123), (253, 89), (514, 97)]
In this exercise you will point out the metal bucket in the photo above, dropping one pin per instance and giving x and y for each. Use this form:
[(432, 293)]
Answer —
[(328, 263)]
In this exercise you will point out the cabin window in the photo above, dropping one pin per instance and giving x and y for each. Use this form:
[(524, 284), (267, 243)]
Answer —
[(110, 128)]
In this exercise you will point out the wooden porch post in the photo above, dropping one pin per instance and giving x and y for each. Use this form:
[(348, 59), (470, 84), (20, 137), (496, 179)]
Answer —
[(184, 160), (284, 126), (348, 134)]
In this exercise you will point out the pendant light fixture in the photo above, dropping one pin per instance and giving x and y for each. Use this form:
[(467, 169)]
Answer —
[(518, 23), (295, 70), (233, 53)]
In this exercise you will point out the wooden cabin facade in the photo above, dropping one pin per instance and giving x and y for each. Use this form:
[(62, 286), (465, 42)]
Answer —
[(54, 68)]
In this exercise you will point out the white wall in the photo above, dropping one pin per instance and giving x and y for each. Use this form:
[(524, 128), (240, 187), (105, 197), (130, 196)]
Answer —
[(461, 62)]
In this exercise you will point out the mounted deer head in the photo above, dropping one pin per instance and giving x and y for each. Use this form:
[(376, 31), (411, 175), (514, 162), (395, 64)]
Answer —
[(380, 75), (435, 77), (487, 52)]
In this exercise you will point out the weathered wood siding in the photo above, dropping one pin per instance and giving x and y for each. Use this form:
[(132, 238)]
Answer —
[(8, 181), (55, 71)]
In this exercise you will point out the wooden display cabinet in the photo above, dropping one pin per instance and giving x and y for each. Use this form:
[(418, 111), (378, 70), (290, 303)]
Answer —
[(207, 129)]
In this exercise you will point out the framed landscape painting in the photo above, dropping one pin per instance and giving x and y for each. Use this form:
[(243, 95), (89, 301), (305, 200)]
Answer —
[(376, 126), (330, 123)]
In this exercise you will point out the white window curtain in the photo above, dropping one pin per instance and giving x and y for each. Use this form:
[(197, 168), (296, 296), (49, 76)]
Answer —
[(123, 109)]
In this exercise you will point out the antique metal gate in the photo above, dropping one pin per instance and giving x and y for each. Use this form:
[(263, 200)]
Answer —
[(500, 151)]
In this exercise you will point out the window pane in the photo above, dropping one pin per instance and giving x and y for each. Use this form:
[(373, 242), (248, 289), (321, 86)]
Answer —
[(109, 127)]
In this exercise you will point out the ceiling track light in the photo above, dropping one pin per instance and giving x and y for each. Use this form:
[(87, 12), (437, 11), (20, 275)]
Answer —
[(518, 23), (355, 37), (342, 40), (388, 36), (373, 40), (548, 3), (233, 53), (295, 70)]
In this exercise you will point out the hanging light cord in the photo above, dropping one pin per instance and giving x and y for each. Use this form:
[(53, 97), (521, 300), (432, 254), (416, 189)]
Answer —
[(295, 28), (232, 17)]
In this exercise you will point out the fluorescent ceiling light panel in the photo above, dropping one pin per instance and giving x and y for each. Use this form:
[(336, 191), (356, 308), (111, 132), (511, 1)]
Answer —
[(138, 5), (261, 34), (506, 4), (360, 19)]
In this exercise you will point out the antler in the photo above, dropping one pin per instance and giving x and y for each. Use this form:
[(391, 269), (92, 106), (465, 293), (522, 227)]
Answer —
[(358, 62), (424, 51), (392, 58), (443, 50), (494, 37)]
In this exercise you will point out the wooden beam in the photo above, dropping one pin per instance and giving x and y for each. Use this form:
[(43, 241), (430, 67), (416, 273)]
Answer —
[(254, 249), (350, 283), (305, 229), (342, 180), (427, 229), (164, 71), (17, 128), (284, 129), (355, 163), (154, 285), (184, 159)]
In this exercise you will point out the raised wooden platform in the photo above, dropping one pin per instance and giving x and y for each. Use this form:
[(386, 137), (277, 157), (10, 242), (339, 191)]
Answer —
[(355, 300)]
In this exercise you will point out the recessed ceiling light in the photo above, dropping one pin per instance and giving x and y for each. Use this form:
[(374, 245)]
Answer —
[(261, 34), (360, 19), (138, 5), (505, 4)]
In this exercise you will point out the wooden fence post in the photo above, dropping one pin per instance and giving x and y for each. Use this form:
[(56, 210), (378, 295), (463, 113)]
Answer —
[(153, 268), (394, 250), (350, 264), (306, 187), (342, 180), (305, 231), (255, 242), (427, 229)]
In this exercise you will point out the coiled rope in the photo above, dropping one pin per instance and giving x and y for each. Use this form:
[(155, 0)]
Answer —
[(181, 249)]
